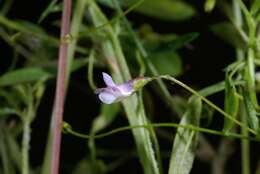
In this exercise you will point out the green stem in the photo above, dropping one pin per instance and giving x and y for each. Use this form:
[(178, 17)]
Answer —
[(167, 77), (152, 134), (69, 130), (250, 77), (25, 147), (76, 24), (4, 154), (26, 136), (90, 70), (250, 24), (245, 147), (92, 148)]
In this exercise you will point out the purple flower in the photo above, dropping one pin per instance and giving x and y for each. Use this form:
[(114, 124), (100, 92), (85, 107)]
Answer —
[(113, 92)]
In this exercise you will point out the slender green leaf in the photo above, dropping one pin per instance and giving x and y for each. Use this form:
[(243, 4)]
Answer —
[(251, 24), (24, 75), (249, 76), (168, 41), (217, 87), (7, 111), (231, 103), (49, 9), (163, 9), (185, 142), (253, 120)]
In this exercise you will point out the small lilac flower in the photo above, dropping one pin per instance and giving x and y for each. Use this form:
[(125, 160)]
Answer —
[(116, 92)]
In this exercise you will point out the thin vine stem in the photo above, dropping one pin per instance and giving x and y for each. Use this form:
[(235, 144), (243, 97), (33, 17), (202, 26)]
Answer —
[(167, 77), (67, 129)]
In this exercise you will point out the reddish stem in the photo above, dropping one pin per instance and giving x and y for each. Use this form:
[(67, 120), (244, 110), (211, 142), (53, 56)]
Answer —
[(60, 88)]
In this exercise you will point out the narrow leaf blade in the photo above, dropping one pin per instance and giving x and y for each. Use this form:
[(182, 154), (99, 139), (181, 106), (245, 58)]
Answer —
[(24, 75), (231, 104), (253, 120), (183, 152)]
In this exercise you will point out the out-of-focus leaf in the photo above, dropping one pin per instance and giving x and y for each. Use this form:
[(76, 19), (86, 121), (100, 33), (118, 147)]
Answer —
[(209, 5), (107, 115), (7, 111), (24, 75), (255, 7), (14, 149), (163, 9), (5, 158), (78, 63), (227, 32), (253, 120), (161, 51), (84, 167), (207, 113), (169, 42), (31, 27), (167, 62), (52, 7), (180, 103), (185, 142), (212, 89), (6, 6), (231, 103), (226, 8), (258, 18), (51, 66)]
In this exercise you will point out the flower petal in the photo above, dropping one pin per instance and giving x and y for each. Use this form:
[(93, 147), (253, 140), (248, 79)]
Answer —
[(108, 80), (126, 89), (106, 97)]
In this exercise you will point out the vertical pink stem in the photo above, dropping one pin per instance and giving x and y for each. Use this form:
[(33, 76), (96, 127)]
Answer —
[(60, 88)]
